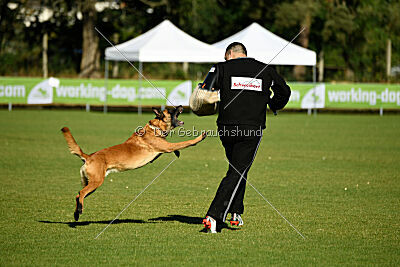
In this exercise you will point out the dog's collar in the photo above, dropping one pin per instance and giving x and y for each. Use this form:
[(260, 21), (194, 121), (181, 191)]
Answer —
[(157, 128)]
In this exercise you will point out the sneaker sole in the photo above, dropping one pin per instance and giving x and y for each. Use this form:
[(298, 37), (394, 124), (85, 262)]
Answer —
[(235, 223), (207, 226)]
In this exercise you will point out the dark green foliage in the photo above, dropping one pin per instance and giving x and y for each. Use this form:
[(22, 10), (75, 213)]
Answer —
[(352, 34)]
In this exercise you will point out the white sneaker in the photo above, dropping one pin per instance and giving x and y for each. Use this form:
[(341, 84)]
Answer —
[(210, 224), (236, 220)]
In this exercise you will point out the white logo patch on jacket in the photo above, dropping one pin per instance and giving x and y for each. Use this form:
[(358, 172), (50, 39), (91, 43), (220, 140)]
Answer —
[(246, 83)]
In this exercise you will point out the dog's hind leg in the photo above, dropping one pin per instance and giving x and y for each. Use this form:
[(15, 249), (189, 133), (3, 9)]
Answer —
[(84, 178), (86, 191), (85, 182), (78, 209), (95, 179)]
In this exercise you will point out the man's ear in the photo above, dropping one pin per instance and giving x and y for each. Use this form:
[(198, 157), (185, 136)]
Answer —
[(158, 112)]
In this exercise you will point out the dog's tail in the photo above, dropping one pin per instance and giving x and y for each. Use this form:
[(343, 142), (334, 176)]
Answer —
[(72, 145)]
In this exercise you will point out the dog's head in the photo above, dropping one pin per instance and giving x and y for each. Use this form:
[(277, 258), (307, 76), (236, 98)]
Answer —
[(168, 119)]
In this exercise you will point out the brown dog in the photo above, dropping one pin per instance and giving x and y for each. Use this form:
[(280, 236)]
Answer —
[(142, 147)]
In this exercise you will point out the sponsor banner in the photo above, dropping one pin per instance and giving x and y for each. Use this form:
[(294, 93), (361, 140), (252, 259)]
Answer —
[(127, 92), (326, 95), (78, 91), (314, 97)]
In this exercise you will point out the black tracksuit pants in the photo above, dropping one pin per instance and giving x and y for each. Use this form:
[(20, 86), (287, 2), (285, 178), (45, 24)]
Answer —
[(241, 145)]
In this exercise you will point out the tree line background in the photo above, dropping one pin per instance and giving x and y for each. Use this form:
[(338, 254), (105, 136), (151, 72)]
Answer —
[(354, 39)]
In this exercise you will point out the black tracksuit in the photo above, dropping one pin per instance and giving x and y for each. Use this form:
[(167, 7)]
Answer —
[(245, 93)]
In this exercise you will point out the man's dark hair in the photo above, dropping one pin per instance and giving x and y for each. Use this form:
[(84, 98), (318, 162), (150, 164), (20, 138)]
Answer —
[(236, 47)]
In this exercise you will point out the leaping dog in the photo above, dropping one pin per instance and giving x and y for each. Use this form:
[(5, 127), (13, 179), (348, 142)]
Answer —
[(142, 147)]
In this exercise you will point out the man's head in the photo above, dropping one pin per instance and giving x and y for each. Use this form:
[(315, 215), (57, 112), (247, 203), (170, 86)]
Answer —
[(235, 50)]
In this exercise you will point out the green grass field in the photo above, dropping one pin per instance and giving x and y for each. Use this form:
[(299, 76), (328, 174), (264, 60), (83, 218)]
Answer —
[(302, 167)]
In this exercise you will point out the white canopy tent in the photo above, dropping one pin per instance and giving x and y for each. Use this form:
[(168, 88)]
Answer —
[(163, 43), (264, 46)]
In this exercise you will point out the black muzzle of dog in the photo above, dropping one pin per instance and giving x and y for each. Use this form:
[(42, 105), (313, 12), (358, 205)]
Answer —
[(174, 116)]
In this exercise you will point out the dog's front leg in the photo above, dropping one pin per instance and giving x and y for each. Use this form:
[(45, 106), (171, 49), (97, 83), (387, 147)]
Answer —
[(165, 147)]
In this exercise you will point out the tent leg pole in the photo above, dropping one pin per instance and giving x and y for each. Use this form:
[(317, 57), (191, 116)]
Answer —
[(140, 86), (315, 88), (314, 72), (106, 86)]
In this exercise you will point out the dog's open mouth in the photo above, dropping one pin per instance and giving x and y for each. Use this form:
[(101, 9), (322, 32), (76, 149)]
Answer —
[(174, 116), (178, 111)]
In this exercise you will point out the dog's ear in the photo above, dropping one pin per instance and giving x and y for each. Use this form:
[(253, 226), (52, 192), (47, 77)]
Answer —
[(158, 112)]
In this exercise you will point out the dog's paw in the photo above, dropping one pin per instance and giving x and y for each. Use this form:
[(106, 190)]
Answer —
[(76, 216)]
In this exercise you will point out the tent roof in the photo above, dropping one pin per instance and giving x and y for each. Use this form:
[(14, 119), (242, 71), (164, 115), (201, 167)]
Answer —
[(263, 45), (165, 43)]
